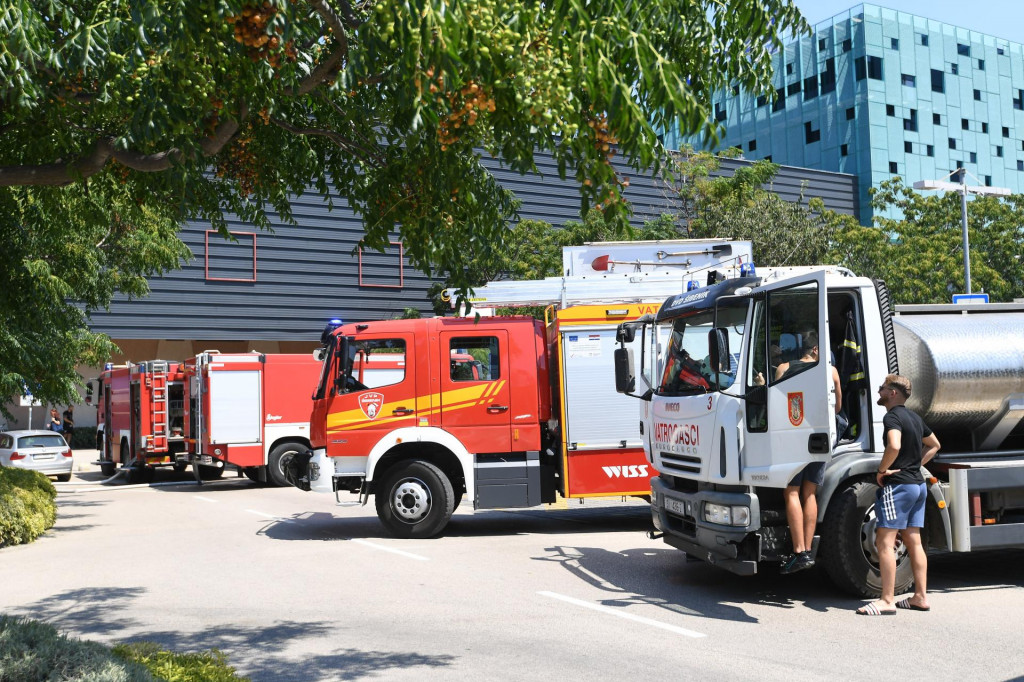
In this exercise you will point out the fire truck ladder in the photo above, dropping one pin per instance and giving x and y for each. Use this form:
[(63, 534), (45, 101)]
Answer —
[(157, 381)]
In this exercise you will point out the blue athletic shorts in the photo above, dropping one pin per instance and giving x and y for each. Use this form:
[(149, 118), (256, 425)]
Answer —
[(813, 472), (901, 505)]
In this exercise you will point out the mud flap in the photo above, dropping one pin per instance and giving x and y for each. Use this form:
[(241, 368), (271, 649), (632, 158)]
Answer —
[(296, 471)]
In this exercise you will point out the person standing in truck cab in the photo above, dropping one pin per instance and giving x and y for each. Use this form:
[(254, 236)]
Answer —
[(909, 445), (801, 493)]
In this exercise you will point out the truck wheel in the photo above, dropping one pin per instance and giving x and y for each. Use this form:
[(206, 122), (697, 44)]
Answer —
[(278, 461), (848, 544), (209, 473), (253, 474), (108, 468), (415, 500)]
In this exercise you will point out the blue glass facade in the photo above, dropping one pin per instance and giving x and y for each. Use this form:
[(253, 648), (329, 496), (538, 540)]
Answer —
[(876, 93)]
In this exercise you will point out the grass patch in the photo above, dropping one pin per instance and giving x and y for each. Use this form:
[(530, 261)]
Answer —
[(28, 505), (31, 650)]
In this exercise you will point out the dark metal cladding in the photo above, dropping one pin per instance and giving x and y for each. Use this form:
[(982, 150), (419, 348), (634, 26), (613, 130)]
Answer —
[(703, 298)]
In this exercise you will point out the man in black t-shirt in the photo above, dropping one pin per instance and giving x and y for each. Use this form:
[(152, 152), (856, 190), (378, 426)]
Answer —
[(909, 445)]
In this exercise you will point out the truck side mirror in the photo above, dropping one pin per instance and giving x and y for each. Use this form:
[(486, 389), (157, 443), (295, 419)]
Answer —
[(319, 354), (718, 349), (625, 333), (625, 377), (88, 393)]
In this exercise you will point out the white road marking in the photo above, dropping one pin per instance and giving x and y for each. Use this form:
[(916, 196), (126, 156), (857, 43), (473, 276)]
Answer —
[(270, 516), (622, 614), (205, 499), (389, 549)]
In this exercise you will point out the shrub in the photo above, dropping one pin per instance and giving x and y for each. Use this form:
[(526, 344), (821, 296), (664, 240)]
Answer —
[(83, 438), (27, 505), (206, 666), (30, 650)]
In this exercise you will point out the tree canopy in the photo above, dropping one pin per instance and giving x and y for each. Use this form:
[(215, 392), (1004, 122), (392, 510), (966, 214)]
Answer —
[(190, 108)]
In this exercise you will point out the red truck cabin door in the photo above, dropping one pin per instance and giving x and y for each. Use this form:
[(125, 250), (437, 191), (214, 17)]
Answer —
[(475, 395)]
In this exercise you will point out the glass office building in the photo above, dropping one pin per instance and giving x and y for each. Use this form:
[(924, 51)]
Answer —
[(876, 93)]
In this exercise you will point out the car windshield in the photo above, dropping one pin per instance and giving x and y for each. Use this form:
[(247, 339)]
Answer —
[(689, 370), (41, 441)]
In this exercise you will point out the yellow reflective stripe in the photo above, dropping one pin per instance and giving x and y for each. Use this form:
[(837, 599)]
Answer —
[(856, 375), (852, 345)]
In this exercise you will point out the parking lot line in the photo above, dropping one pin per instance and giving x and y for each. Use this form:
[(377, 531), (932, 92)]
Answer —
[(384, 548), (205, 499), (270, 516), (622, 614)]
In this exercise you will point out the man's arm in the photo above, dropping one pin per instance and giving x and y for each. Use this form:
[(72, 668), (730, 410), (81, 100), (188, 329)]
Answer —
[(892, 449), (931, 445), (839, 389)]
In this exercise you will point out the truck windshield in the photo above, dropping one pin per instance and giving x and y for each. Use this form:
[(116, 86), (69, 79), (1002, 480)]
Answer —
[(688, 367)]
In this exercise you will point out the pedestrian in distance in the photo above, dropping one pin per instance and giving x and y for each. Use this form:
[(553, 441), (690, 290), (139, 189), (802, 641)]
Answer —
[(909, 445), (54, 424), (801, 493), (69, 423)]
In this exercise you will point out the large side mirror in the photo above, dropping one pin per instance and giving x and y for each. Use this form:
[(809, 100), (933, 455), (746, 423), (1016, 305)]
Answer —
[(625, 332), (319, 354), (625, 376), (88, 393), (344, 364), (718, 349)]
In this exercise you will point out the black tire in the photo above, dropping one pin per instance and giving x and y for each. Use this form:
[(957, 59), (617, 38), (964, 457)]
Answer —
[(63, 478), (414, 500), (253, 474), (848, 544), (108, 468), (278, 460), (179, 466)]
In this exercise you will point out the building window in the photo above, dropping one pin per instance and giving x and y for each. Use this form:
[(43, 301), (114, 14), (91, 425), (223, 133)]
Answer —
[(752, 145), (893, 168), (860, 68), (938, 81), (908, 80), (977, 95), (1020, 165), (954, 69), (847, 45), (984, 127), (894, 43), (811, 135), (768, 158), (974, 157), (924, 39), (1018, 101), (875, 68), (719, 111), (931, 150), (844, 149), (959, 165), (890, 110), (762, 100), (821, 44), (851, 114), (828, 77), (911, 123), (1000, 50), (988, 180), (810, 88), (780, 100), (999, 151), (965, 124), (964, 50), (793, 88), (952, 143), (789, 69), (981, 65), (1006, 131), (937, 119), (735, 90), (908, 147)]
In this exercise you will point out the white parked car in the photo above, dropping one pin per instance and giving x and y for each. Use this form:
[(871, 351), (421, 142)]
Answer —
[(42, 451)]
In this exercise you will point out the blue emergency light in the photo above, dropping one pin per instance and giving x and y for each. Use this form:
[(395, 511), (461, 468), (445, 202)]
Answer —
[(109, 365), (691, 285), (747, 270), (332, 324)]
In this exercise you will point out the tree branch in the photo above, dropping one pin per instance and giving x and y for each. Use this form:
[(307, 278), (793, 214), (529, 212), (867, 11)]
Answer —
[(332, 135)]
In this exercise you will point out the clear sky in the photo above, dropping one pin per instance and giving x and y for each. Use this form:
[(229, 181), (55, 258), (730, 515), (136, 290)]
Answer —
[(999, 18)]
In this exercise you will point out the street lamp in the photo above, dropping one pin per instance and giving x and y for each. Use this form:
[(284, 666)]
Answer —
[(963, 189)]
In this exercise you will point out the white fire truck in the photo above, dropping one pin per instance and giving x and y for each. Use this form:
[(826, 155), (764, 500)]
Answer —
[(509, 411), (727, 437)]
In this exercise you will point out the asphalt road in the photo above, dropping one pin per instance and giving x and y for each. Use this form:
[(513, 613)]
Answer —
[(293, 587)]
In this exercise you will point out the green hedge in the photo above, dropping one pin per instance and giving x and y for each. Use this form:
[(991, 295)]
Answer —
[(27, 505), (84, 438)]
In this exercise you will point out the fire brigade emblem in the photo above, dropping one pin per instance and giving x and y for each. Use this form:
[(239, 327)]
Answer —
[(796, 408), (370, 404)]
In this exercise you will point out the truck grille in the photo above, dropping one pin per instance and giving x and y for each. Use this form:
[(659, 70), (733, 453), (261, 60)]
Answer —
[(684, 464)]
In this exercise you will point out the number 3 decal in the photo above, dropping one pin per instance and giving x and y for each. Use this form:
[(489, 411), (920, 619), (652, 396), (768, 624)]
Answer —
[(711, 400)]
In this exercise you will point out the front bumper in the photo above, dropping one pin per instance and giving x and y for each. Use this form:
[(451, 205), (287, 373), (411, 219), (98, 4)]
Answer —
[(680, 516)]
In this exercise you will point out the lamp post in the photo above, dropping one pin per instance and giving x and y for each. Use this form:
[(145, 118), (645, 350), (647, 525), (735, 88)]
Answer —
[(962, 188)]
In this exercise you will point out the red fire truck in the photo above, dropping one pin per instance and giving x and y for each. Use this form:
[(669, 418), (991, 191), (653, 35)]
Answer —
[(533, 414), (139, 415), (250, 410)]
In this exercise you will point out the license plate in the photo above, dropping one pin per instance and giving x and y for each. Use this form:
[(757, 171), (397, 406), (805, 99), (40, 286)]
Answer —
[(676, 506)]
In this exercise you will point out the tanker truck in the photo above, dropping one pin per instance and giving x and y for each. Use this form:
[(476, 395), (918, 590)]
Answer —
[(726, 434)]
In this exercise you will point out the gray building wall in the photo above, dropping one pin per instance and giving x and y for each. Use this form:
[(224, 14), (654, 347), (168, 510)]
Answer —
[(282, 286)]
